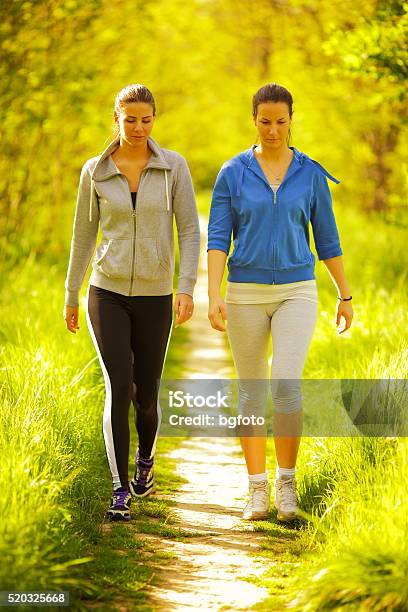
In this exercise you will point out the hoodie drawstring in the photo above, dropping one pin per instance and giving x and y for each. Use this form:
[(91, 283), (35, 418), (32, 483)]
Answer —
[(167, 190), (240, 178), (325, 171), (91, 201)]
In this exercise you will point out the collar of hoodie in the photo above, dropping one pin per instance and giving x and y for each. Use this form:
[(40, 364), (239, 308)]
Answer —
[(105, 168), (248, 157)]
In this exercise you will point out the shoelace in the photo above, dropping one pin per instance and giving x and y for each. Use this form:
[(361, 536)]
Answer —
[(119, 498), (287, 489), (142, 474), (259, 492)]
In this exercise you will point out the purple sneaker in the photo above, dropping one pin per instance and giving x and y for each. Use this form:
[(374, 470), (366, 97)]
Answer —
[(142, 484), (119, 509)]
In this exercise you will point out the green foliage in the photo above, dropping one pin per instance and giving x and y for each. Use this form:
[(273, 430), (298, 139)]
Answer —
[(376, 46), (357, 555), (53, 471), (353, 490), (63, 63)]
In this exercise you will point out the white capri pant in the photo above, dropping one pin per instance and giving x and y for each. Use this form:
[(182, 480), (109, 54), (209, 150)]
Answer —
[(291, 319)]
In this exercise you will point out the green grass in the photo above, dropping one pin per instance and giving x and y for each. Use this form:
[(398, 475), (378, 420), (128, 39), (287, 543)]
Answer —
[(350, 549), (54, 473), (350, 552)]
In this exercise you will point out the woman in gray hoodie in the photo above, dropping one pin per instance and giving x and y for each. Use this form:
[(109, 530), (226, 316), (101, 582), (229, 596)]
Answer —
[(131, 192)]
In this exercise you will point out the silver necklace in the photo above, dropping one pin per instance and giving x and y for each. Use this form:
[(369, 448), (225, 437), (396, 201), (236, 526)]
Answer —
[(278, 178)]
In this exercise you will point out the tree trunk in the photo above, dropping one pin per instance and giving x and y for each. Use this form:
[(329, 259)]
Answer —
[(381, 143)]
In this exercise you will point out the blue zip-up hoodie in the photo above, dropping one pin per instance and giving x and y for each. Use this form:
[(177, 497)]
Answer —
[(271, 234)]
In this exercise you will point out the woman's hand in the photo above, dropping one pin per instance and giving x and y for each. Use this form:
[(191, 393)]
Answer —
[(183, 307), (71, 318), (345, 311), (217, 313)]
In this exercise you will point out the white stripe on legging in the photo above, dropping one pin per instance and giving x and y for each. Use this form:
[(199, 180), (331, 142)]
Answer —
[(159, 410), (107, 412)]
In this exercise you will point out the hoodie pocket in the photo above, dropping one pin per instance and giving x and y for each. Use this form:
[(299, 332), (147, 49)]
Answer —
[(304, 250), (150, 265), (293, 251), (116, 260)]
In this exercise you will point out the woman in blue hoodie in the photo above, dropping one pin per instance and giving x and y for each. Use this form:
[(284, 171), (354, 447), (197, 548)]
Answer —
[(265, 198)]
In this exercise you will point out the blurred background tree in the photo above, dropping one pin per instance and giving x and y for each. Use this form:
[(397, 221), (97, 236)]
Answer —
[(63, 62)]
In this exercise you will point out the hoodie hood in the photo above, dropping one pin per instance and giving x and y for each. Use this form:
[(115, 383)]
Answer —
[(105, 168), (247, 158)]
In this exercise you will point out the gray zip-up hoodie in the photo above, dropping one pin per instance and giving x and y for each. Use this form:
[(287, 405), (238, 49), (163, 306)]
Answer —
[(136, 252)]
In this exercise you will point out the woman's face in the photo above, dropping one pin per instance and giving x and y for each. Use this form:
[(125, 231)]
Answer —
[(135, 122), (272, 122)]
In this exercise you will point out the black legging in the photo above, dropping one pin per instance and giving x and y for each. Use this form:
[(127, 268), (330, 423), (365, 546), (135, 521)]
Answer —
[(131, 335)]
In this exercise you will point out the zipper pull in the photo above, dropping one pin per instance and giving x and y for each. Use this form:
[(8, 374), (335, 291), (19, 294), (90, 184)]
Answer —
[(274, 198), (134, 213)]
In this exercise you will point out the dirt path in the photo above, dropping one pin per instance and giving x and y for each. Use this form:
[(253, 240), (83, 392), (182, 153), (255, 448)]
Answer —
[(208, 570)]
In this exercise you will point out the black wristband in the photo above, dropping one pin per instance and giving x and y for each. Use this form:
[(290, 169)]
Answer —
[(345, 299)]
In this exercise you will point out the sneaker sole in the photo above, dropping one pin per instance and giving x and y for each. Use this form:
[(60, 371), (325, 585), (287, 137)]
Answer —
[(118, 515), (145, 494), (286, 517), (256, 516)]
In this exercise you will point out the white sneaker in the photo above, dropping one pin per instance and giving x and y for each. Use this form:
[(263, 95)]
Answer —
[(285, 499), (258, 506)]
